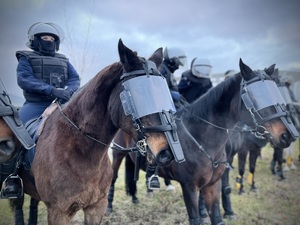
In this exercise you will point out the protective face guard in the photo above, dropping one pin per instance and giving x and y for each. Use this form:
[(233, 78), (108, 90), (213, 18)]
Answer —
[(287, 97), (146, 93), (11, 116), (265, 93)]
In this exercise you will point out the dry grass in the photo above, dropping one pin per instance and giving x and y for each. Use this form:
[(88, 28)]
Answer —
[(277, 203)]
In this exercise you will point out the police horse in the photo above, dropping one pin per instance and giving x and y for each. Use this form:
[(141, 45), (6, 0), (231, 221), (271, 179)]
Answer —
[(244, 143), (203, 130), (71, 169)]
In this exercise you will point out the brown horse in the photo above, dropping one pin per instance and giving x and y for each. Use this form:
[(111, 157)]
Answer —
[(203, 129), (71, 168)]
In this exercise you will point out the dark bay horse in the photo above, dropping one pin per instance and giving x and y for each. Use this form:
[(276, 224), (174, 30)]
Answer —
[(203, 129), (71, 168), (248, 144)]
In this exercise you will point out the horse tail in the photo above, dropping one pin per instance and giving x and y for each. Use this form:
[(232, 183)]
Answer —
[(130, 182)]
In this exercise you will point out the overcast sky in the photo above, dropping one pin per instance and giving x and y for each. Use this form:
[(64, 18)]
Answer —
[(261, 32)]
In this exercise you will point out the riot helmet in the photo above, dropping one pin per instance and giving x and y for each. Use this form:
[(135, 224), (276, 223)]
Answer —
[(201, 67), (37, 30), (174, 57)]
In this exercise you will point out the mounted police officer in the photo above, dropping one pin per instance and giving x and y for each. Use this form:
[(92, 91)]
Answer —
[(173, 58), (44, 75), (195, 81)]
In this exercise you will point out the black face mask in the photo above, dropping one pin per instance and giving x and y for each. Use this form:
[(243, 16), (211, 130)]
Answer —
[(47, 47)]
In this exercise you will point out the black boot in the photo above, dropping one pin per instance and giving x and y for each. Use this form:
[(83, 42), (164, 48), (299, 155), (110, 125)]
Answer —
[(12, 187), (152, 180)]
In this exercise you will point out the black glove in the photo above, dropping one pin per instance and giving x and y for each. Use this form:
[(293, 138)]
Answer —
[(62, 94)]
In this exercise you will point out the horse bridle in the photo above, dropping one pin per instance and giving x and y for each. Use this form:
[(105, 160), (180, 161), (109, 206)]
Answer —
[(168, 125), (278, 103), (167, 117)]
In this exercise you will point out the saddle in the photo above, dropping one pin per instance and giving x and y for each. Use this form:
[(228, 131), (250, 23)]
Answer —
[(12, 186)]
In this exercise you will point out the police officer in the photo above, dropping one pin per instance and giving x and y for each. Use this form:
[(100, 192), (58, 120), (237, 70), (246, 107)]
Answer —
[(173, 58), (196, 81), (43, 75)]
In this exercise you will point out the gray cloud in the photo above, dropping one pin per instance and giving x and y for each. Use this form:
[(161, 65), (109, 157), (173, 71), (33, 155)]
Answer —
[(259, 32)]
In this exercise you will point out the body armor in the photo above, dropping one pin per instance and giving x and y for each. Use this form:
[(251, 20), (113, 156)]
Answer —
[(51, 70)]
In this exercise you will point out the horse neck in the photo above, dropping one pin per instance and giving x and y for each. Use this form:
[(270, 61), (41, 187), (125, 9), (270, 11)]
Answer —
[(213, 113), (88, 110), (220, 104)]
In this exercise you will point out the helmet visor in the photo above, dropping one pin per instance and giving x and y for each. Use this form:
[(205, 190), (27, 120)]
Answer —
[(201, 70)]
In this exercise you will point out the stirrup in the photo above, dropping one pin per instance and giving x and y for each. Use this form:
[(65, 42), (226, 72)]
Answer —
[(153, 182), (12, 187)]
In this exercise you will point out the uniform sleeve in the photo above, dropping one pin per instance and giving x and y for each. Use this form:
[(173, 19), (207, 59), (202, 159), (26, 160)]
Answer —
[(27, 81), (74, 80), (183, 85)]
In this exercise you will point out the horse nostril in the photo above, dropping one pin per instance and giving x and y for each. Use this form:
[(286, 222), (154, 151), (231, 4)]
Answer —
[(7, 147), (164, 158), (285, 140)]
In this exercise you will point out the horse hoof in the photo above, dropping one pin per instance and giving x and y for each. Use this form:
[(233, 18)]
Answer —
[(170, 188), (135, 201), (230, 217), (150, 194), (108, 211), (254, 189), (241, 192), (205, 220)]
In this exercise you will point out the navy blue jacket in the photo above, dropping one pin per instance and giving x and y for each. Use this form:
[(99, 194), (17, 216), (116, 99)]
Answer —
[(27, 81)]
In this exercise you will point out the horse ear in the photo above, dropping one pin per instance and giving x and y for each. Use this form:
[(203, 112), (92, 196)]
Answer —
[(157, 57), (275, 76), (246, 71), (127, 56), (270, 70)]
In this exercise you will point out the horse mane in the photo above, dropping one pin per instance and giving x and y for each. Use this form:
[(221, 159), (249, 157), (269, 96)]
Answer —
[(203, 105), (99, 88), (93, 97)]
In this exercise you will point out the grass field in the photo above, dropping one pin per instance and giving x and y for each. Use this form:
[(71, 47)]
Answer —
[(276, 203)]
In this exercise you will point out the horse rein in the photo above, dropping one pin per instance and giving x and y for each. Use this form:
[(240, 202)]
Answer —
[(76, 127), (215, 163)]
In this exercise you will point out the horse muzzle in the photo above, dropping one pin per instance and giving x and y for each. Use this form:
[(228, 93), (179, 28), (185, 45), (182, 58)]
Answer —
[(284, 141)]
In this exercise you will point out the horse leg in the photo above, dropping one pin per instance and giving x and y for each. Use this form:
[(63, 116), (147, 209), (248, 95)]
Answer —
[(17, 207), (225, 194), (116, 163), (242, 156), (131, 187), (191, 196), (279, 158), (273, 162), (93, 215), (254, 154), (33, 212), (202, 210), (212, 201), (56, 216), (169, 185), (288, 155)]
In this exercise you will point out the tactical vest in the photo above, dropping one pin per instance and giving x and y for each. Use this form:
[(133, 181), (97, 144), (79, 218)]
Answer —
[(170, 78), (51, 70)]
